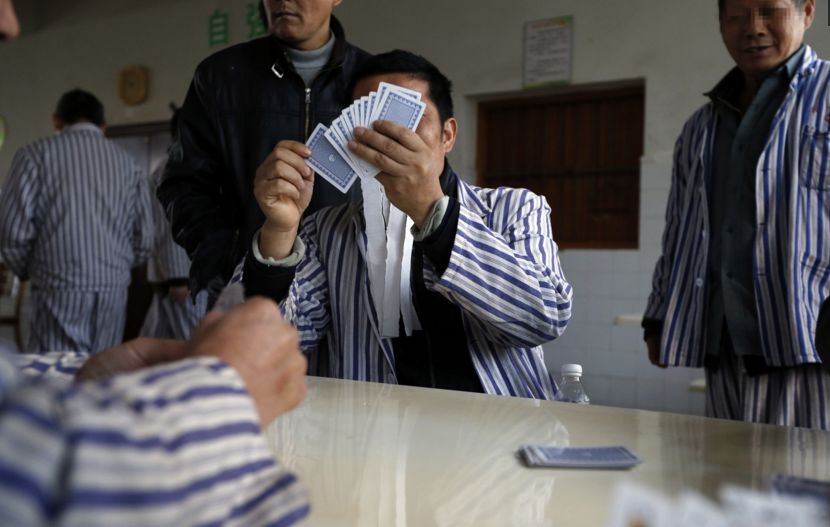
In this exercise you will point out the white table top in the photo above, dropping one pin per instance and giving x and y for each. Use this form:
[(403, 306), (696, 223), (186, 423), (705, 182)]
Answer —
[(384, 455)]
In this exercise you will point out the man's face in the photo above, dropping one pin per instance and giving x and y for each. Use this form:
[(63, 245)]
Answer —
[(439, 137), (9, 28), (302, 24), (760, 35)]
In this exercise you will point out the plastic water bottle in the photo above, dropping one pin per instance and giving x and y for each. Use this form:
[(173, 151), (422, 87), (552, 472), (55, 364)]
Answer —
[(571, 390)]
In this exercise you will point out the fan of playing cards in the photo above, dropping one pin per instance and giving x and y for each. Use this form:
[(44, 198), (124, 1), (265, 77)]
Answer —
[(331, 157)]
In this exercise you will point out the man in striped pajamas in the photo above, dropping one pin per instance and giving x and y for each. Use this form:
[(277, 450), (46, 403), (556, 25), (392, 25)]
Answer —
[(486, 282), (746, 259), (75, 217), (158, 433)]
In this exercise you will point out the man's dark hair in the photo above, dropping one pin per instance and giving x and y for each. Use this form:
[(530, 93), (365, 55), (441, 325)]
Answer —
[(722, 5), (79, 105), (416, 66)]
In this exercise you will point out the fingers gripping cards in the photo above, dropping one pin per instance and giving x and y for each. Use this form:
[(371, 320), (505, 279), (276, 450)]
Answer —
[(331, 156)]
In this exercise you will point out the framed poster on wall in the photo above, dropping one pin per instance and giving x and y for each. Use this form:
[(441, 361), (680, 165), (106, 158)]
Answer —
[(548, 52)]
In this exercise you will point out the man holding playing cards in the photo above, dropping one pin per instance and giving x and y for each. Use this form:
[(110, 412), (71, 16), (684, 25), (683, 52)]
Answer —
[(244, 100), (746, 261), (464, 301)]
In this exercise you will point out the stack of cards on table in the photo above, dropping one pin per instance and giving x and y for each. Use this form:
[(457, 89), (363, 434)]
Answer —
[(330, 154), (615, 457)]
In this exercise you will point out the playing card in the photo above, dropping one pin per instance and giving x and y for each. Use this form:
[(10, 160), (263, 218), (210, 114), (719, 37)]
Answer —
[(363, 168), (364, 107), (341, 146), (383, 89), (373, 99), (400, 109), (348, 123), (616, 457), (327, 162)]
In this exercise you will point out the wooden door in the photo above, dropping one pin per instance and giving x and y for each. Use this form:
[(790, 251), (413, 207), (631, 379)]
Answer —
[(580, 150)]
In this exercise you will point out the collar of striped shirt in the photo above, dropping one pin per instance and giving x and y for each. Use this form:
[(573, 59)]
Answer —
[(82, 127)]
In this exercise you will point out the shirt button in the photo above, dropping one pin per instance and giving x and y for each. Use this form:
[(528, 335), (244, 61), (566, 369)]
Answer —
[(390, 379), (730, 230), (741, 148), (699, 282), (703, 233), (729, 275)]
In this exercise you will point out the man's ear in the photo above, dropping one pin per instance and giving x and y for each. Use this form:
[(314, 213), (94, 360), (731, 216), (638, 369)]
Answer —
[(809, 13), (450, 132), (103, 127), (57, 123)]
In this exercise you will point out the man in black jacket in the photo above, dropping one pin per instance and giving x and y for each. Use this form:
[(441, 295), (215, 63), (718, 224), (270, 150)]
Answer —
[(242, 102)]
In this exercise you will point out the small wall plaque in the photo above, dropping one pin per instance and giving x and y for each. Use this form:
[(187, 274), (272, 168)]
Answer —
[(132, 85)]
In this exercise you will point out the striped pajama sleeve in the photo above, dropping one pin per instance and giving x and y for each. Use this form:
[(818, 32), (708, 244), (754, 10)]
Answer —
[(658, 300), (508, 280), (18, 227), (176, 445)]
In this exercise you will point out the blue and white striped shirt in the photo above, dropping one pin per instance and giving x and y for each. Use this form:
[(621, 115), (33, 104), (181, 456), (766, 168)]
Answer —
[(173, 445), (504, 275), (792, 257), (75, 212)]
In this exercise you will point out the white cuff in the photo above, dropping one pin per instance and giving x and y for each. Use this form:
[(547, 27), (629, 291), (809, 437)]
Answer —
[(433, 221), (292, 260)]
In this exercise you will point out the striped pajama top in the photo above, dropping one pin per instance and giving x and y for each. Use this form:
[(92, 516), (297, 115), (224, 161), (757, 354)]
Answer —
[(791, 263), (174, 445), (75, 212), (504, 275)]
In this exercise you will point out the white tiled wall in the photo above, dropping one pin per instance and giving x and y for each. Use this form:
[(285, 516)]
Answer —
[(616, 370)]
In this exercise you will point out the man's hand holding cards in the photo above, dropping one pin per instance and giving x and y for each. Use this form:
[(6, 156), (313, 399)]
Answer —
[(331, 157)]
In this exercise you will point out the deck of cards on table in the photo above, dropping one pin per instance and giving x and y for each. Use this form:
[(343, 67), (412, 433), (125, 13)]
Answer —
[(614, 457), (330, 155)]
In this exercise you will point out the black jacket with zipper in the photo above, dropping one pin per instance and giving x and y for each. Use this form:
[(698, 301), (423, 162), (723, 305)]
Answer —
[(243, 101)]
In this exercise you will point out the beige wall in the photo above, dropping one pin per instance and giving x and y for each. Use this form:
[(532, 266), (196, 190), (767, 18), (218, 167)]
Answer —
[(675, 46)]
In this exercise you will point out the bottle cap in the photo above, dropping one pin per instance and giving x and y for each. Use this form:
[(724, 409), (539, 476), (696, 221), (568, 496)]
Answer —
[(571, 369)]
